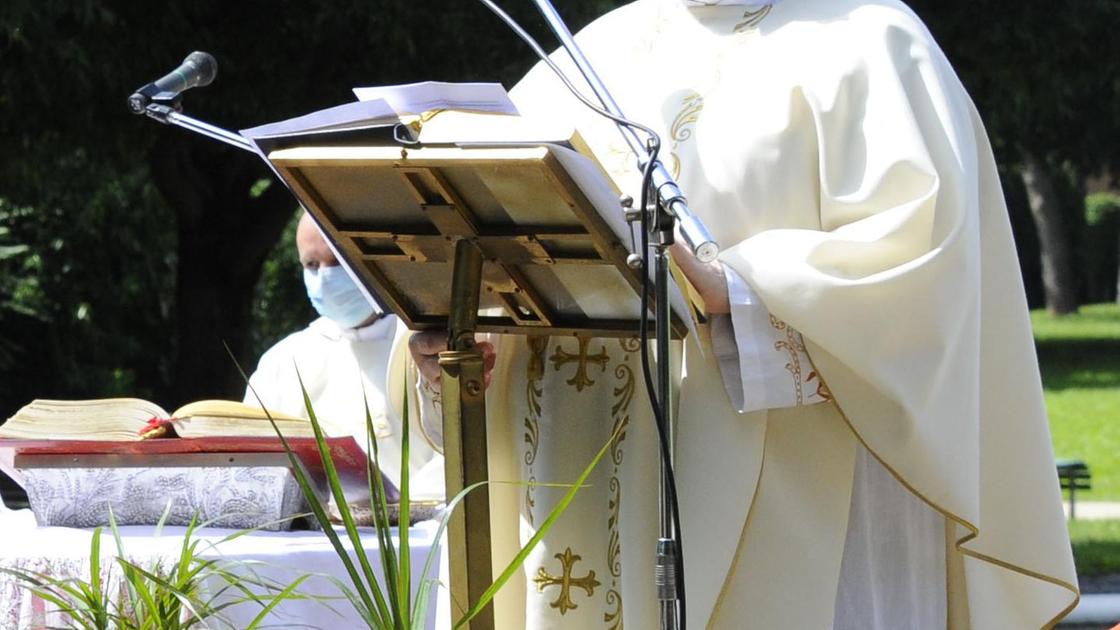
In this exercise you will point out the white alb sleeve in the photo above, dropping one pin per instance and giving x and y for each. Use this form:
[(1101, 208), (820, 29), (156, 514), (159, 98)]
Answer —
[(762, 360)]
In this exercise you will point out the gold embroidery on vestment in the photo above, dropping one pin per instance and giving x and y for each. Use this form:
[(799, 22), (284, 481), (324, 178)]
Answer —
[(822, 390), (681, 129), (792, 345), (581, 380), (565, 581), (624, 393), (752, 18), (614, 544), (533, 391), (620, 412), (532, 438), (629, 344), (613, 617)]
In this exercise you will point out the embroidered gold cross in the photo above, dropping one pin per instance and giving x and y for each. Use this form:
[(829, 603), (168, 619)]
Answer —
[(565, 581), (580, 380)]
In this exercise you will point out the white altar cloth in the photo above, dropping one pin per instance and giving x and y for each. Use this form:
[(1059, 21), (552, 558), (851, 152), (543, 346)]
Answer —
[(280, 556)]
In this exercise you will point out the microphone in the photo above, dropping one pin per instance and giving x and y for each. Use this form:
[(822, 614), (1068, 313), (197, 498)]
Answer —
[(198, 69)]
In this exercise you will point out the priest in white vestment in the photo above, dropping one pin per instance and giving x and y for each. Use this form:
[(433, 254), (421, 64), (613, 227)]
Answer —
[(864, 445)]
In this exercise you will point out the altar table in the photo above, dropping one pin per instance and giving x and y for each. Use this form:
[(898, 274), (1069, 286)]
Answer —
[(279, 556)]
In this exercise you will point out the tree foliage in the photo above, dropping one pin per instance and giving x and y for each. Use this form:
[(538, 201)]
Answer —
[(129, 251), (1046, 79), (132, 250)]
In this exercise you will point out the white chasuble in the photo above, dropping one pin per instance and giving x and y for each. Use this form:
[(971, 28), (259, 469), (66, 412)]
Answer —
[(833, 153), (831, 150)]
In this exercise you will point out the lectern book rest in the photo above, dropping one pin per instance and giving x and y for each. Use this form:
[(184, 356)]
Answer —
[(545, 216)]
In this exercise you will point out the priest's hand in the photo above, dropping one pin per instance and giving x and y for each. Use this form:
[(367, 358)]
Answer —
[(707, 278), (426, 346)]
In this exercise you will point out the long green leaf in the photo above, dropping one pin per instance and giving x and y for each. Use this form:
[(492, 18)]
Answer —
[(404, 521), (96, 599), (305, 486), (46, 588), (343, 508), (146, 598), (447, 512), (380, 511), (420, 606), (180, 598), (130, 588), (284, 594)]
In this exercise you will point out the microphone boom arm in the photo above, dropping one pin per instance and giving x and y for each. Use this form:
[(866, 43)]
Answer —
[(167, 115)]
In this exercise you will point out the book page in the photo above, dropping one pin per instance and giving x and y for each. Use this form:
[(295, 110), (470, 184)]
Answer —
[(426, 96), (105, 419), (234, 418), (198, 426), (384, 106), (346, 116), (229, 409), (474, 129)]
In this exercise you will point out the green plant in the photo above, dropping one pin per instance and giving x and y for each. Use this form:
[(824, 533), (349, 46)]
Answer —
[(183, 596), (394, 608)]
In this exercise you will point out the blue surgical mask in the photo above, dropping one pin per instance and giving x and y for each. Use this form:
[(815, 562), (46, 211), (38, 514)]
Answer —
[(335, 296)]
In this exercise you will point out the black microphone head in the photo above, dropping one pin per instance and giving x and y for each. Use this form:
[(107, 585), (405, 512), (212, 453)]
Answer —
[(206, 68)]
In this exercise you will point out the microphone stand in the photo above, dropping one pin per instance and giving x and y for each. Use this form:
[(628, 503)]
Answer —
[(167, 112), (669, 208), (696, 236)]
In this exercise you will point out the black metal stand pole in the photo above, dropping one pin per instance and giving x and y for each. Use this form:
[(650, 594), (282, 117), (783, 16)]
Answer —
[(668, 544)]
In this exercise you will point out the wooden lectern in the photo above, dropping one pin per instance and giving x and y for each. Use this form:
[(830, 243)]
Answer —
[(501, 239)]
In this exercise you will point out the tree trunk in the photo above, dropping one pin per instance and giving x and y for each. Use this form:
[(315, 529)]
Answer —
[(224, 236), (1058, 280)]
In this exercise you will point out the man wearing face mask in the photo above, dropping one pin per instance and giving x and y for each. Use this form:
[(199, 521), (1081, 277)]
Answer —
[(340, 357)]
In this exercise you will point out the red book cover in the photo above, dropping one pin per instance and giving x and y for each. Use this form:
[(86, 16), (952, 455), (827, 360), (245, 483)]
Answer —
[(349, 459)]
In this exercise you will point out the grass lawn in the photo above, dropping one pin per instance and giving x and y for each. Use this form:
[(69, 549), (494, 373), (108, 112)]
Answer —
[(1080, 361), (1096, 546)]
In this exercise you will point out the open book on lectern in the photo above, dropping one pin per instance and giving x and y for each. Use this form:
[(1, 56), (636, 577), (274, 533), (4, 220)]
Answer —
[(543, 212)]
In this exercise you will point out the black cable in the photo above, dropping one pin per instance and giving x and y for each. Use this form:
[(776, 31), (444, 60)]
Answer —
[(651, 389), (654, 147), (543, 55)]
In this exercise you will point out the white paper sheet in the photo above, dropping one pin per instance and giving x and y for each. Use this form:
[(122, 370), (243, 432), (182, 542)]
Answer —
[(417, 98)]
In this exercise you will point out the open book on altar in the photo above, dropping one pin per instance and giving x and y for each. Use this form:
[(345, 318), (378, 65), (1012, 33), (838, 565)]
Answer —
[(127, 419), (220, 460), (545, 215)]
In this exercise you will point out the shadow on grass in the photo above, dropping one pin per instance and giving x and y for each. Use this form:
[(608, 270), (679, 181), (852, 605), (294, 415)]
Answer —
[(1079, 363), (1097, 557), (1096, 546)]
